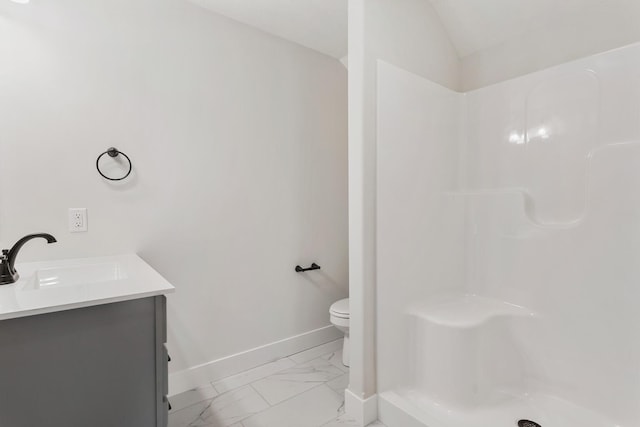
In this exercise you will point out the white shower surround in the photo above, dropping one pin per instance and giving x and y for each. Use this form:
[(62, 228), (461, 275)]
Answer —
[(507, 248)]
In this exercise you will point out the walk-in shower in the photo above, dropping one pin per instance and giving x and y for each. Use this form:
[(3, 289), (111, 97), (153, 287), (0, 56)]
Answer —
[(508, 236)]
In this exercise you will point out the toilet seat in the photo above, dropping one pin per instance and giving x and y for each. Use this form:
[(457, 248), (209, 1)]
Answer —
[(340, 309)]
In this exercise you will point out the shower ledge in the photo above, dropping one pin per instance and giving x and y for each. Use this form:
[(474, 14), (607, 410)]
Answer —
[(467, 311), (627, 150)]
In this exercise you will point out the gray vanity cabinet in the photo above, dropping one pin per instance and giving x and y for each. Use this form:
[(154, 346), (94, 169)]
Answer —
[(100, 366)]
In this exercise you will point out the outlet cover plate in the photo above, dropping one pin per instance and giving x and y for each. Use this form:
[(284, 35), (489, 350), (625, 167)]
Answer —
[(78, 220)]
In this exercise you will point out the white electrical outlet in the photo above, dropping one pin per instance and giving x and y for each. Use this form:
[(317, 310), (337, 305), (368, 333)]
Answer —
[(77, 220)]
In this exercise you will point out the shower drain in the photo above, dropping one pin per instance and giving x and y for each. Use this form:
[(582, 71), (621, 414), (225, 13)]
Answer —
[(527, 423)]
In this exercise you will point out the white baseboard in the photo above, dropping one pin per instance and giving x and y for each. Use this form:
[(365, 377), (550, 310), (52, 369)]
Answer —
[(196, 376), (363, 411)]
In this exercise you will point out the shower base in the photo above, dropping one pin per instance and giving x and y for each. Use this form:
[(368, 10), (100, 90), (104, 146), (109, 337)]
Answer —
[(410, 408)]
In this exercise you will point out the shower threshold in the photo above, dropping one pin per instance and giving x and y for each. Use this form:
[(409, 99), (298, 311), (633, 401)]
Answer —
[(411, 408)]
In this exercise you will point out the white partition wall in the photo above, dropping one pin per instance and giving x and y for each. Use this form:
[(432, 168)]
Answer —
[(409, 33), (508, 248)]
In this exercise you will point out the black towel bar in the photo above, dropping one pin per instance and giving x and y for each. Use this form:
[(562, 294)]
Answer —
[(314, 266)]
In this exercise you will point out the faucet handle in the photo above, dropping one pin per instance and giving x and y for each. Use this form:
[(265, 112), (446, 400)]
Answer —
[(5, 255)]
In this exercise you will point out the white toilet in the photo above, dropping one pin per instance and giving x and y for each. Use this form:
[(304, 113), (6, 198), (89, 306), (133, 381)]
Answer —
[(339, 315)]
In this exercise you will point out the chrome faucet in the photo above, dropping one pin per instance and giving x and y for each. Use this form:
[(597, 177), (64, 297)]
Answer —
[(8, 273)]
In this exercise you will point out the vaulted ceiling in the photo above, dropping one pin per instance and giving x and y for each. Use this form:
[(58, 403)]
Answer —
[(472, 25), (317, 24), (475, 25)]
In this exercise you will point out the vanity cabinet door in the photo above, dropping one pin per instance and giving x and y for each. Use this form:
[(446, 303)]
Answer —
[(95, 366)]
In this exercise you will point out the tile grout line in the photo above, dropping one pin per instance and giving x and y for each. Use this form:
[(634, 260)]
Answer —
[(295, 364), (210, 400), (262, 397), (338, 415), (292, 397), (220, 394), (260, 378)]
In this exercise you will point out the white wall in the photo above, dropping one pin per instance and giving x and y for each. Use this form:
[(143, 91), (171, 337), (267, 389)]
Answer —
[(409, 34), (238, 141)]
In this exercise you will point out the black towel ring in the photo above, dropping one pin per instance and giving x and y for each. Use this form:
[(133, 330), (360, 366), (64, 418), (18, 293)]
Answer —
[(113, 152)]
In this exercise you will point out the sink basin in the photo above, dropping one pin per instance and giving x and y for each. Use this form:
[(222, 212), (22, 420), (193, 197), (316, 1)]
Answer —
[(76, 275), (49, 286)]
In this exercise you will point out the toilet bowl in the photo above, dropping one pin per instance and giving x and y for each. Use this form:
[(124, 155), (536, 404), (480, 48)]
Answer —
[(339, 315)]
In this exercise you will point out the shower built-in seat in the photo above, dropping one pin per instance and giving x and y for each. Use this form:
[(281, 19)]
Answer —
[(469, 369), (465, 354)]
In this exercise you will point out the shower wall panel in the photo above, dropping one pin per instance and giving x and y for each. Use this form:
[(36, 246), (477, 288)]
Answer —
[(419, 241), (565, 142)]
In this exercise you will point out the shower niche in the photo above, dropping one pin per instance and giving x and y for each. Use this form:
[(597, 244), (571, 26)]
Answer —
[(512, 256)]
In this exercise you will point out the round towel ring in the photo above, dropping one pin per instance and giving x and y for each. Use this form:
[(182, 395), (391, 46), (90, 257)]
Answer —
[(113, 152)]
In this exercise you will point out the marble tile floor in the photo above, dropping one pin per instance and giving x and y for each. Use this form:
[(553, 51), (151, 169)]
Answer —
[(303, 390)]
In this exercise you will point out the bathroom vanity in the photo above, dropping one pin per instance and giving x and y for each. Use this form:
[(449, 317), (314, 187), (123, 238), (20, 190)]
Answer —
[(83, 344)]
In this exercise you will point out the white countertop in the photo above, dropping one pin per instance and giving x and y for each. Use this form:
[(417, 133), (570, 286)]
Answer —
[(50, 286)]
